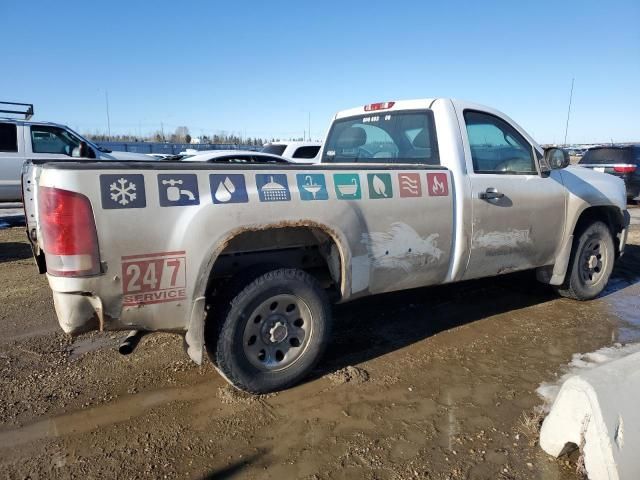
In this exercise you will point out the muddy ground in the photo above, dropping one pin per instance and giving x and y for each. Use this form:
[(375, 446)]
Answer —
[(434, 383)]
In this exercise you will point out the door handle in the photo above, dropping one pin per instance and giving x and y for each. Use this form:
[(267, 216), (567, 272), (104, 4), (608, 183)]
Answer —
[(491, 194)]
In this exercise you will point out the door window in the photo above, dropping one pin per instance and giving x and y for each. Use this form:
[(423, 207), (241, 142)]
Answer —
[(8, 137), (496, 147), (46, 139)]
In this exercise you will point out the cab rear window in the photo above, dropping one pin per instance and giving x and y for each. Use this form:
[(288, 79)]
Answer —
[(8, 137), (392, 137)]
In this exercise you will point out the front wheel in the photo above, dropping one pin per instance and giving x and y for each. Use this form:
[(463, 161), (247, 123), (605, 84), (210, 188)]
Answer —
[(273, 331), (591, 263)]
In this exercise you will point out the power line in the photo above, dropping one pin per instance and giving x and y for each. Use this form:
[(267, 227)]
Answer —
[(566, 128)]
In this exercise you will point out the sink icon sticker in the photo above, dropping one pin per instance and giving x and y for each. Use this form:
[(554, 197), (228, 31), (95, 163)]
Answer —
[(347, 186), (312, 186), (228, 188)]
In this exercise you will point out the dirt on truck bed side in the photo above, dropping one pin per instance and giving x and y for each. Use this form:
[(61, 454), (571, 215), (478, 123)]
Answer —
[(433, 383)]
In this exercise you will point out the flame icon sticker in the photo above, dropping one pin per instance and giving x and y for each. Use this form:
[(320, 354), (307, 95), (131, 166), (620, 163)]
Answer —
[(438, 184)]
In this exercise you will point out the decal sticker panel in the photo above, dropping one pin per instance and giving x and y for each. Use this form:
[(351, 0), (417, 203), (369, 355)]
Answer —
[(409, 185), (122, 191), (437, 184), (312, 186), (379, 185), (273, 187), (154, 278), (228, 188), (347, 186), (178, 190)]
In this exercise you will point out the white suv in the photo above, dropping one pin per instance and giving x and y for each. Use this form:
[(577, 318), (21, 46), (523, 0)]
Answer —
[(296, 152)]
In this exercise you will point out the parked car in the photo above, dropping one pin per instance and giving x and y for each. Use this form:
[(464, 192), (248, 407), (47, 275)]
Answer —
[(623, 161), (297, 152), (243, 259), (25, 139), (234, 156)]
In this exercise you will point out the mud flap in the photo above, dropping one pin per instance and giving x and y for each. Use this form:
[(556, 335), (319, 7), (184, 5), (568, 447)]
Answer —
[(194, 338), (598, 412)]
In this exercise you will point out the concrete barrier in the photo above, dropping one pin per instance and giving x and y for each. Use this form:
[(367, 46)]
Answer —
[(599, 411)]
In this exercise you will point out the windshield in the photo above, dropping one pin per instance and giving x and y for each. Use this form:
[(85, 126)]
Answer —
[(274, 149), (394, 137)]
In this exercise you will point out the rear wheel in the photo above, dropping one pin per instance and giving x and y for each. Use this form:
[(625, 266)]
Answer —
[(591, 263), (273, 331)]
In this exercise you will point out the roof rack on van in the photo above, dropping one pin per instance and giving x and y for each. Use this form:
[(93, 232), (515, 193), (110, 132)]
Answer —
[(26, 109)]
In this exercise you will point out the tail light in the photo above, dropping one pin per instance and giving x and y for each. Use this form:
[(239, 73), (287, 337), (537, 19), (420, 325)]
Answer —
[(69, 238), (625, 168), (378, 106)]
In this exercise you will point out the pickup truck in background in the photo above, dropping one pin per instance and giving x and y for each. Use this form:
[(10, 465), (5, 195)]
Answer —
[(24, 139), (244, 259), (295, 151)]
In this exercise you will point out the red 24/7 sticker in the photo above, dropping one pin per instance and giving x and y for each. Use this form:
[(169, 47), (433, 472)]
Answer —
[(154, 278)]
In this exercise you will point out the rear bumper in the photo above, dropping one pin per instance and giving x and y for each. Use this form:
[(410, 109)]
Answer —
[(78, 313)]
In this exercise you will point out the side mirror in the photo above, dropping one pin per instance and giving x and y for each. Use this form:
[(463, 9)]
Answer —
[(556, 158)]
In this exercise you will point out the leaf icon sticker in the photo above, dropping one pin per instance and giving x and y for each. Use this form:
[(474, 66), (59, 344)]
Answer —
[(379, 187)]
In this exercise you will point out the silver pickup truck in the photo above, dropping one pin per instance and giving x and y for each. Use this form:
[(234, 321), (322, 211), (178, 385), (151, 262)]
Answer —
[(243, 259), (22, 139)]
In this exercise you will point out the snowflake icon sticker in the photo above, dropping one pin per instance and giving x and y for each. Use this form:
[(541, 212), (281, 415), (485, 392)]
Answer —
[(122, 191)]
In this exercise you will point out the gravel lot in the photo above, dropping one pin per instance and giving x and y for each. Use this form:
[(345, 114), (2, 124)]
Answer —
[(434, 383)]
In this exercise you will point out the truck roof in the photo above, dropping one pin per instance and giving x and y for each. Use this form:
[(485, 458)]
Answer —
[(18, 121)]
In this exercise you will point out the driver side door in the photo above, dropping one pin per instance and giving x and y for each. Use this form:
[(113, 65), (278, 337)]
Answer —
[(517, 214)]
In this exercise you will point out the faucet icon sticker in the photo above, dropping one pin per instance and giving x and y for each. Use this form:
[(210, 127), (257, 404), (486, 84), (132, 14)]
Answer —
[(178, 190)]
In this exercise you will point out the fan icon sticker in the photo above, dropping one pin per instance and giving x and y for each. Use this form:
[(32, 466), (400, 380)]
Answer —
[(229, 188), (273, 188), (379, 185), (122, 191), (409, 185), (312, 186)]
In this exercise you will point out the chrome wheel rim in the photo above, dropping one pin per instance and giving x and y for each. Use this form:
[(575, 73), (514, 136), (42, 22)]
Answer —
[(593, 262), (277, 332)]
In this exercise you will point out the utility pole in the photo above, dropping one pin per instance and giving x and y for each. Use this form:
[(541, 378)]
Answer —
[(106, 97), (162, 130), (566, 128)]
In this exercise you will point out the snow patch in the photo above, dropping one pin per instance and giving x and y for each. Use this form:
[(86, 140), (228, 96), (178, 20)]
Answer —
[(582, 362)]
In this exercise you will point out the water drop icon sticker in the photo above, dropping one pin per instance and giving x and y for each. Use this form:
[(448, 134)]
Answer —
[(229, 188), (224, 192)]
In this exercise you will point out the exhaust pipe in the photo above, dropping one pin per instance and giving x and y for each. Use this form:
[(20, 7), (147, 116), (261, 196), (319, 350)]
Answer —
[(130, 343)]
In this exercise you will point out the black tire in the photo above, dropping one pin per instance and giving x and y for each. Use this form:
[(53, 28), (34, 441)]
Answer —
[(274, 361), (591, 263)]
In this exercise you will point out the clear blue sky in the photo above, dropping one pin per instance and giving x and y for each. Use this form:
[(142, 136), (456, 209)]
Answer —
[(259, 67)]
